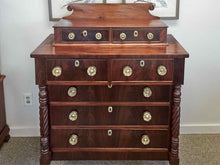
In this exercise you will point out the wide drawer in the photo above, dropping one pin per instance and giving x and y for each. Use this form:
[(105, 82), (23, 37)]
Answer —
[(142, 70), (76, 70), (104, 94), (140, 35), (109, 115), (112, 138)]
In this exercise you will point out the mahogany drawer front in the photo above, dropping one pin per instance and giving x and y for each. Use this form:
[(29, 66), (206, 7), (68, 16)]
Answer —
[(104, 94), (99, 138), (84, 35), (142, 70), (109, 115), (140, 35), (77, 70)]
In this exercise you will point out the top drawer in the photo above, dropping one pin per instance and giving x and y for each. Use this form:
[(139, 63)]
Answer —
[(140, 35), (72, 35)]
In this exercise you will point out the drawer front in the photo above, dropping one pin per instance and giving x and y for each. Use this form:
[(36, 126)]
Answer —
[(115, 138), (139, 35), (74, 35), (142, 70), (77, 70), (105, 94), (109, 115)]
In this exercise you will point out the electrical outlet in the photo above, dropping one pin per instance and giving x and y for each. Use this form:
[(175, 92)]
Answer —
[(28, 100)]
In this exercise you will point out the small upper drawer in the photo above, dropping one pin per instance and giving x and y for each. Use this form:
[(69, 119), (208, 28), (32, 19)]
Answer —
[(112, 138), (76, 70), (142, 70), (84, 35), (140, 35)]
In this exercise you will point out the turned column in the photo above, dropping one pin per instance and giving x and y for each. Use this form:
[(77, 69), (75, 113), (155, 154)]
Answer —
[(175, 126), (44, 126)]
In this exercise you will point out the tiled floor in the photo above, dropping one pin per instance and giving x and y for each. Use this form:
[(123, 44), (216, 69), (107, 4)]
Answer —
[(194, 150)]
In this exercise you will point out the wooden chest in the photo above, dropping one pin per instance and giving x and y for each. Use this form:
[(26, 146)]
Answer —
[(110, 84)]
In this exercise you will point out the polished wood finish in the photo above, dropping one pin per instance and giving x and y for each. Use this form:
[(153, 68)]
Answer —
[(110, 86), (4, 129)]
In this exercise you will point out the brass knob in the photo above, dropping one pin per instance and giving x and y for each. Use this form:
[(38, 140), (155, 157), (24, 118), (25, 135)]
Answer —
[(98, 36), (127, 71), (85, 33), (57, 71), (147, 116), (123, 36), (142, 63), (147, 92), (71, 36), (109, 85), (109, 132), (135, 33), (73, 140), (150, 36), (76, 63), (145, 140), (72, 91), (91, 71), (110, 109), (162, 70), (73, 116)]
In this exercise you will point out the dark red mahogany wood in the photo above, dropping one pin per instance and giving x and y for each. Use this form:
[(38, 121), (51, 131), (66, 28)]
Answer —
[(109, 86), (4, 129)]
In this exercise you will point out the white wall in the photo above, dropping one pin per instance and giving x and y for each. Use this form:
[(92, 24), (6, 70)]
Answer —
[(24, 25)]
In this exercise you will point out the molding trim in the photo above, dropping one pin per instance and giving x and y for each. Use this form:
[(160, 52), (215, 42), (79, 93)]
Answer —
[(200, 128), (184, 129)]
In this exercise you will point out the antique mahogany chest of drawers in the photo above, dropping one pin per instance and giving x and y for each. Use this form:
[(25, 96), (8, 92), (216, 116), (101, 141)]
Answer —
[(109, 81)]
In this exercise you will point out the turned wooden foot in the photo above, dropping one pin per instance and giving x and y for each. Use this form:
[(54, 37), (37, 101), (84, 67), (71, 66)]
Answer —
[(7, 138), (174, 161)]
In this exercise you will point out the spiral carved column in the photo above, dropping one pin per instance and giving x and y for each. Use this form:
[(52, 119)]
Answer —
[(44, 126), (175, 127)]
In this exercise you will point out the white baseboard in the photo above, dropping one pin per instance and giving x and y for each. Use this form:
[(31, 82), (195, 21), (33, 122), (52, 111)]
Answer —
[(200, 128), (184, 129)]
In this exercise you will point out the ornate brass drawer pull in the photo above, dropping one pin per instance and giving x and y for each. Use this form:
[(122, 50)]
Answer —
[(98, 36), (150, 36), (127, 71), (147, 116), (135, 33), (72, 91), (109, 132), (147, 92), (85, 33), (73, 116), (162, 70), (91, 71), (57, 71), (123, 36), (110, 109), (73, 140), (71, 36), (145, 140)]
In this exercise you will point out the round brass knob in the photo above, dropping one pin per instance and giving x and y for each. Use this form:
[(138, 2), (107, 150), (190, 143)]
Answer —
[(72, 91), (71, 36), (150, 36), (145, 140), (73, 140), (109, 132), (76, 63), (73, 116), (57, 71), (162, 70), (127, 71), (123, 36), (85, 33), (91, 71), (135, 33), (110, 109), (147, 92), (98, 36), (147, 116)]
